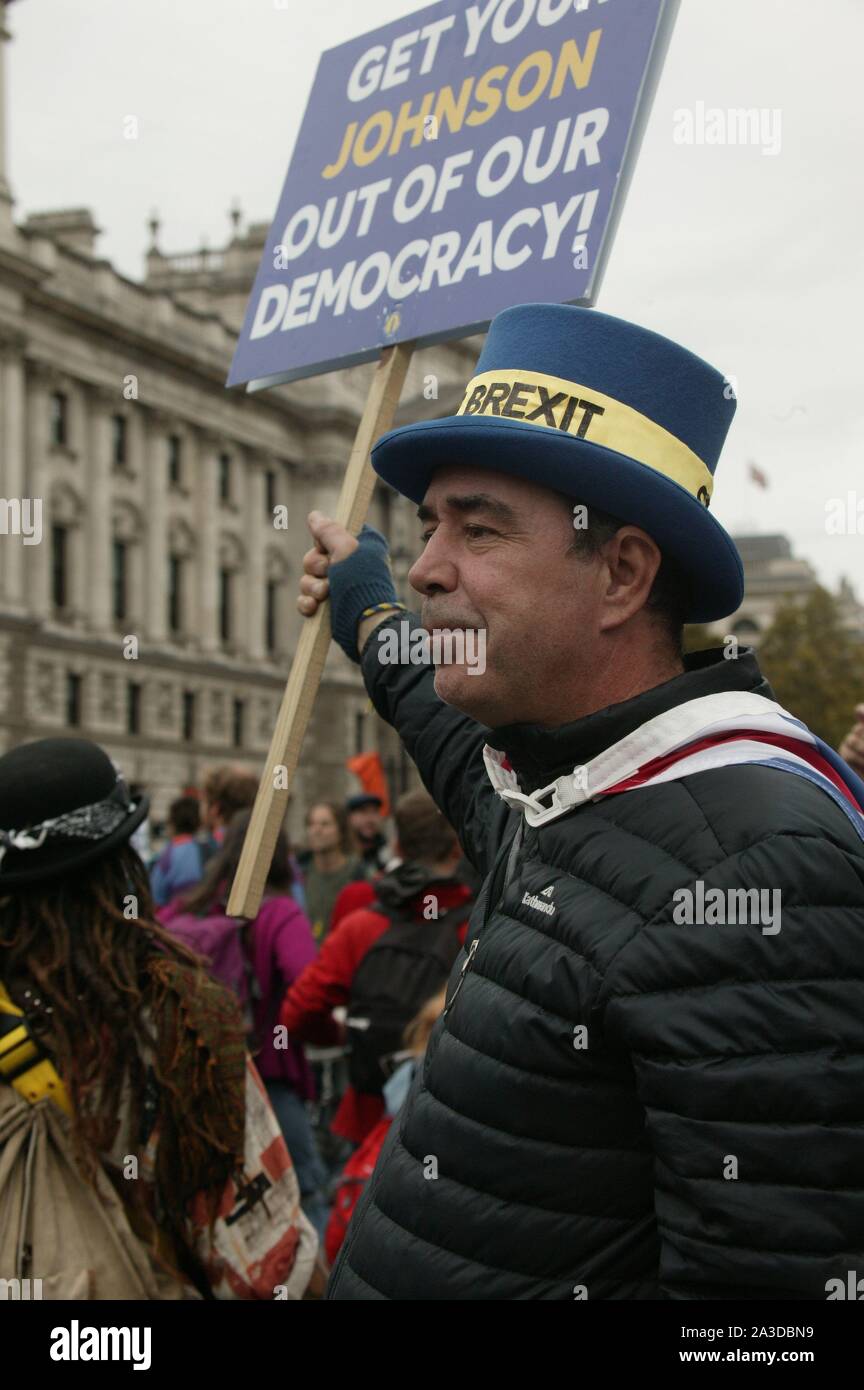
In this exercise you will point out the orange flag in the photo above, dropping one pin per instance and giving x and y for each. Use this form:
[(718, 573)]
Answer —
[(370, 774)]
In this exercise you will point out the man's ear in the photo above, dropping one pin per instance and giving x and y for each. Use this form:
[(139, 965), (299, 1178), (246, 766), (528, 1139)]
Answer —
[(631, 560)]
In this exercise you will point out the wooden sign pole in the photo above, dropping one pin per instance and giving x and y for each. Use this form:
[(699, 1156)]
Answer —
[(308, 665)]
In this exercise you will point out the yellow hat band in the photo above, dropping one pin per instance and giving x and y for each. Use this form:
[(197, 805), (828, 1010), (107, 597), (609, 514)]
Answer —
[(555, 404)]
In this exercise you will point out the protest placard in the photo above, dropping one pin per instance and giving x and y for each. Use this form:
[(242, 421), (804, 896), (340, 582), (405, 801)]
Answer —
[(454, 162), (459, 160)]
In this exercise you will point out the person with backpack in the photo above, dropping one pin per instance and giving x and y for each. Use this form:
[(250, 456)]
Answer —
[(136, 1138), (259, 961), (181, 862), (360, 1166), (382, 961), (227, 790)]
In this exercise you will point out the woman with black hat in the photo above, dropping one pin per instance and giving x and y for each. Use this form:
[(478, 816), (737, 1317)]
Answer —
[(149, 1051)]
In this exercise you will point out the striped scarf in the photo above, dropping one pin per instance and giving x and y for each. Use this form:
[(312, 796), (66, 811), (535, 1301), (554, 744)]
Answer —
[(734, 727)]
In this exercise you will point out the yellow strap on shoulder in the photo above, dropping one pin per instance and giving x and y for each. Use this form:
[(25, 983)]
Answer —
[(22, 1065)]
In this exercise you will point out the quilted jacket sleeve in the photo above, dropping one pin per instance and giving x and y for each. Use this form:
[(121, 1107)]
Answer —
[(446, 746), (747, 1045)]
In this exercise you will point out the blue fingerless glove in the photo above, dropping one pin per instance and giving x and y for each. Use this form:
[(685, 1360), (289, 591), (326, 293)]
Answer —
[(358, 583)]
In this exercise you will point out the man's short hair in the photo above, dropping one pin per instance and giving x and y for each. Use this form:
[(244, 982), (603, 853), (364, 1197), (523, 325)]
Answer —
[(670, 591), (230, 789), (422, 832), (184, 815)]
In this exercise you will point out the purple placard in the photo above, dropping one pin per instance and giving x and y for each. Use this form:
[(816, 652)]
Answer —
[(454, 162)]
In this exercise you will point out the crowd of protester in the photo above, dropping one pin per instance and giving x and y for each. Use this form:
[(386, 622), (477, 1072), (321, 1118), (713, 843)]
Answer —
[(308, 1020), (208, 1038)]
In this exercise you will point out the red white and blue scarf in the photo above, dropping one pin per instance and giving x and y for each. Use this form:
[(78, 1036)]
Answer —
[(713, 731)]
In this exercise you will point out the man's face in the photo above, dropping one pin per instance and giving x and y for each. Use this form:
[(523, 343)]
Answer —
[(322, 829), (496, 558), (365, 822)]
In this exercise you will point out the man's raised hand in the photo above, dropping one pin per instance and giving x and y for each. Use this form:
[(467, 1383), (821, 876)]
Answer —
[(354, 573), (333, 543)]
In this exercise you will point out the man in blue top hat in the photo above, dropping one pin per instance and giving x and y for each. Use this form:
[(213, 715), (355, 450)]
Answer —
[(648, 1078)]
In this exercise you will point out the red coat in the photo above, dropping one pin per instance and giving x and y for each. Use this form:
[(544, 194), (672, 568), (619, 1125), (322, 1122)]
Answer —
[(325, 984), (355, 1175), (358, 894)]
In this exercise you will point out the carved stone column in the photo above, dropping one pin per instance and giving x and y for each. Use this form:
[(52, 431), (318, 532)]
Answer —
[(41, 379), (155, 467), (207, 510), (102, 404), (256, 541), (12, 471)]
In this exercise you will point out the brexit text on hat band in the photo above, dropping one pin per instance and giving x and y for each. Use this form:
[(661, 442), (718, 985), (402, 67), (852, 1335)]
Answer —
[(443, 646), (504, 399), (570, 407)]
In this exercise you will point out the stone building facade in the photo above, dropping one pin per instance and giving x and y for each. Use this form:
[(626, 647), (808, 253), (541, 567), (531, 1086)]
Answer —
[(155, 610), (152, 523), (774, 575)]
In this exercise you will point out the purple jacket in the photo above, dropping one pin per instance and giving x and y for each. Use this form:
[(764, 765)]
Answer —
[(282, 946)]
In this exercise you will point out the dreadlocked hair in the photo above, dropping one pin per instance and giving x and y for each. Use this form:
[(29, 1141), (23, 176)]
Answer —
[(105, 987)]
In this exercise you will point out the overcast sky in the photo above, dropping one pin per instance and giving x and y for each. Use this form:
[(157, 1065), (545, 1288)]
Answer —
[(750, 259)]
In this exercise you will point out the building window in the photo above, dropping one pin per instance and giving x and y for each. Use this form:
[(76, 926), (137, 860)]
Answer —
[(359, 731), (225, 605), (118, 440), (270, 490), (238, 717), (175, 459), (133, 708), (188, 716), (73, 699), (59, 565), (224, 477), (58, 418), (120, 554), (175, 593), (270, 614)]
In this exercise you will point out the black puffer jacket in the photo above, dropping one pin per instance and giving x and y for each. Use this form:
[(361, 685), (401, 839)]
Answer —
[(523, 1166)]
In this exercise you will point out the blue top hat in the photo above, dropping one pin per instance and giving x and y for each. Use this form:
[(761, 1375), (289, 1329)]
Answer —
[(603, 411)]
